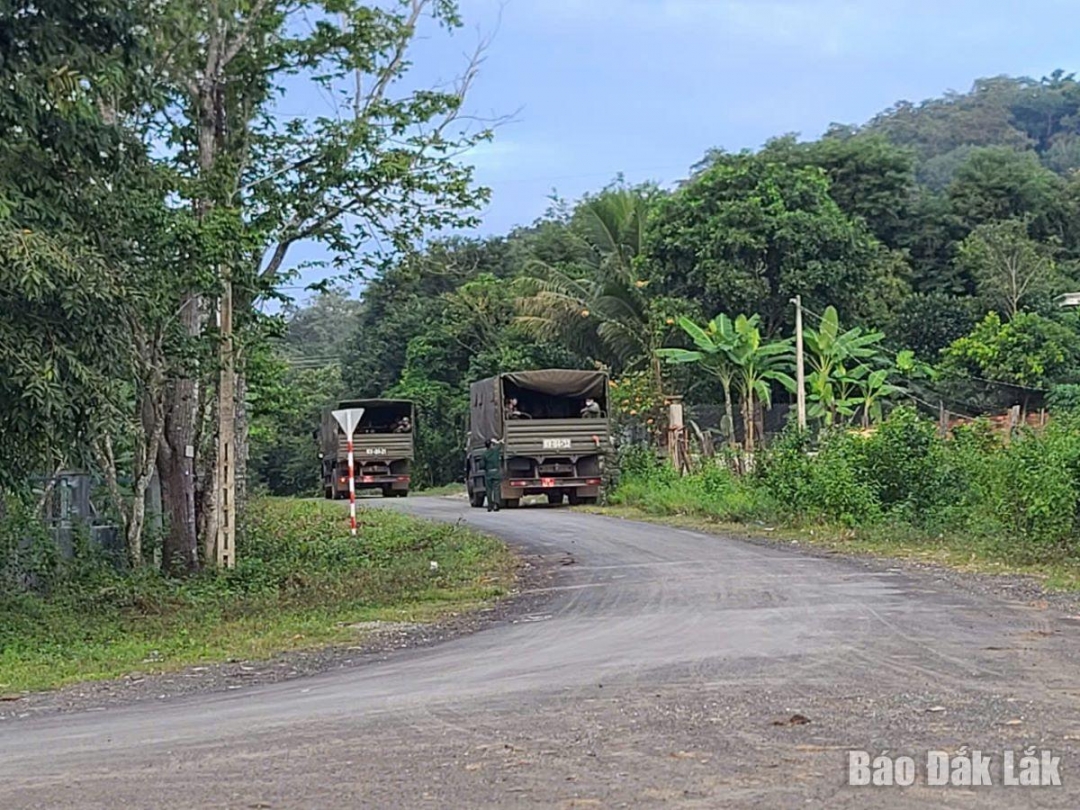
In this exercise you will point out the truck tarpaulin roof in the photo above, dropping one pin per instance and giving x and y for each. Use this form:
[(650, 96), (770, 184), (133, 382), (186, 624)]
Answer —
[(373, 403), (486, 396)]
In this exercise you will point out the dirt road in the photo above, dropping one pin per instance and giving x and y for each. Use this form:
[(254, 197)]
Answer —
[(665, 667)]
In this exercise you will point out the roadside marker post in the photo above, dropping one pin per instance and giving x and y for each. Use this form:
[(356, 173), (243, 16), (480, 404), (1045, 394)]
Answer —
[(349, 418)]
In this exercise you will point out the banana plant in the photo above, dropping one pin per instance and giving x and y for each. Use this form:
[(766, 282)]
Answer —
[(830, 353), (759, 363), (715, 343), (735, 353), (873, 388)]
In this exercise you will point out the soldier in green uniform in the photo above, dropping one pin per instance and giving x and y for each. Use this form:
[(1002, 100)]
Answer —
[(493, 473)]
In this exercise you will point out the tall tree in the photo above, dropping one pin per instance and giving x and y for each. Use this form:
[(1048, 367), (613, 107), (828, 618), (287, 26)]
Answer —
[(381, 166), (749, 233), (1009, 268)]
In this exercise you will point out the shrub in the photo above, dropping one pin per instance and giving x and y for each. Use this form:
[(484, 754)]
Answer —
[(903, 463)]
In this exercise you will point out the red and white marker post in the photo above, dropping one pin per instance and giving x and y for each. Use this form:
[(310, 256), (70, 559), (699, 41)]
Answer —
[(349, 419)]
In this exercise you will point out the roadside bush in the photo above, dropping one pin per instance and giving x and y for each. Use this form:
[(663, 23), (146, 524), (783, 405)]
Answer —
[(903, 463), (828, 485), (1018, 500), (1034, 493)]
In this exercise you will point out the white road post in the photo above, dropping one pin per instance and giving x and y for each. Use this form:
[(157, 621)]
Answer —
[(349, 419)]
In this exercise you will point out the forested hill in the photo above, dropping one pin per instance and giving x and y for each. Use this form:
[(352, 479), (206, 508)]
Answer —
[(1022, 114), (909, 223)]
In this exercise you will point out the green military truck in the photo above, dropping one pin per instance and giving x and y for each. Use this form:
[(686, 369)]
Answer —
[(553, 429), (382, 448)]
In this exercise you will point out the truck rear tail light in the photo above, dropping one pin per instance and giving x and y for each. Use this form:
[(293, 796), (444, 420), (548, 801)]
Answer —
[(519, 483), (368, 479), (592, 481), (343, 480), (403, 478)]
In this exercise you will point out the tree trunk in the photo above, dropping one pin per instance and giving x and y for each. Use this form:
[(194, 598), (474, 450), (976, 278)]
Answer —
[(179, 553), (729, 415), (242, 434), (176, 459)]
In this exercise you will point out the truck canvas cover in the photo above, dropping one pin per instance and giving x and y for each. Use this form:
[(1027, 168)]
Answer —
[(487, 396)]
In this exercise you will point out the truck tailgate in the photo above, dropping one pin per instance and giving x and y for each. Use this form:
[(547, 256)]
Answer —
[(555, 437)]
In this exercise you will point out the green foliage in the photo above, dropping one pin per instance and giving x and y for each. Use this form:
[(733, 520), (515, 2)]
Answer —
[(828, 486), (301, 579), (999, 183), (733, 351), (1030, 351), (749, 232), (1064, 398), (1018, 499), (597, 301), (1010, 270), (869, 177), (848, 372), (714, 493), (286, 408), (926, 323), (903, 461)]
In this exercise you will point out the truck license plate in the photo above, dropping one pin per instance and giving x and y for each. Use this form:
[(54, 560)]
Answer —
[(376, 451), (556, 444)]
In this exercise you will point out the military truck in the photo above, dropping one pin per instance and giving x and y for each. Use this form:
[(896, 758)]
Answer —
[(553, 425), (382, 448)]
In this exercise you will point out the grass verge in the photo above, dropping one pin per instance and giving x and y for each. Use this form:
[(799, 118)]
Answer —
[(300, 582)]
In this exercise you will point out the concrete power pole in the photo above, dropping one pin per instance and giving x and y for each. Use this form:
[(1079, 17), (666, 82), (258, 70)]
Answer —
[(225, 541), (800, 364)]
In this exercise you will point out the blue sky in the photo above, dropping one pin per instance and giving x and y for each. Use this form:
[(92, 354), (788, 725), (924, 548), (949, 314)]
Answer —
[(645, 87)]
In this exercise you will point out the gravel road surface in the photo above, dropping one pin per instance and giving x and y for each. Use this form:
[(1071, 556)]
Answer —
[(661, 667)]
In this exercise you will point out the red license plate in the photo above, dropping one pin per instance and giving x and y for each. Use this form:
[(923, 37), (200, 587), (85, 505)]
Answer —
[(547, 482)]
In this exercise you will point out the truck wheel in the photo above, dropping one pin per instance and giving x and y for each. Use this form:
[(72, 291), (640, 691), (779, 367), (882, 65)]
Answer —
[(328, 493), (402, 493), (476, 499), (511, 503), (555, 498), (387, 492), (573, 497), (589, 500)]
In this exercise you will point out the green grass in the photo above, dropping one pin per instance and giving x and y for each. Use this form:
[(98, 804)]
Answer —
[(301, 581)]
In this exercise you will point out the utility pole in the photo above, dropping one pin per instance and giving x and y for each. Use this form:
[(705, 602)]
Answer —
[(800, 366), (225, 541)]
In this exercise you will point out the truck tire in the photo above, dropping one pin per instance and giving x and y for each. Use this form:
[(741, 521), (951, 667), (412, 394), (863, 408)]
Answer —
[(328, 493), (402, 493), (476, 499), (573, 497), (511, 503), (589, 500), (555, 498)]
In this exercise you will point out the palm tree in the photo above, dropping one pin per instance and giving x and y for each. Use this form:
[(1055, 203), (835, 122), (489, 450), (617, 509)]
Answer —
[(599, 305)]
